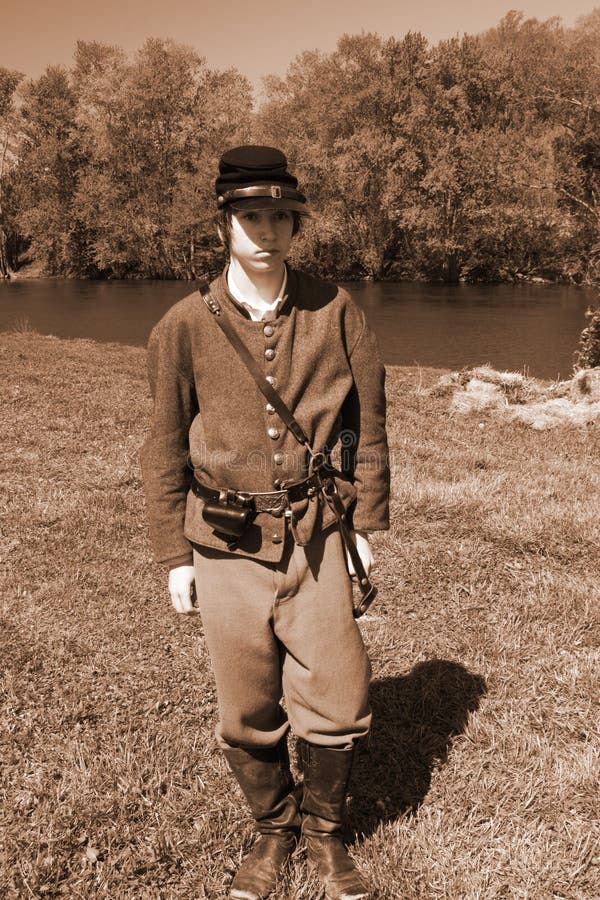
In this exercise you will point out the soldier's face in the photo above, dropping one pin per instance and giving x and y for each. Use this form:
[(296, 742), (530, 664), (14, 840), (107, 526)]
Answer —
[(260, 239)]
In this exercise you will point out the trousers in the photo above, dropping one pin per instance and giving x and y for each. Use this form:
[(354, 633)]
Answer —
[(284, 631)]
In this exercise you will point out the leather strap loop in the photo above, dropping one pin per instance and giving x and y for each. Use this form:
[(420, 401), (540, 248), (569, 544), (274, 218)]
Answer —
[(367, 588)]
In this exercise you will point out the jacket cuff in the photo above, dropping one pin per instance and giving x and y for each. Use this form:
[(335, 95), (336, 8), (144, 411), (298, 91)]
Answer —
[(381, 523), (185, 560)]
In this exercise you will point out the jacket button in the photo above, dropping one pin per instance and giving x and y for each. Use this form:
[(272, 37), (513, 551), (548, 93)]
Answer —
[(269, 330), (270, 354), (278, 459), (272, 380), (273, 433), (270, 409), (276, 539)]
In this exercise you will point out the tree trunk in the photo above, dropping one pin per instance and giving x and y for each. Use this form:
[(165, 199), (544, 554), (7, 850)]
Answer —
[(451, 269), (4, 270), (4, 267), (192, 258)]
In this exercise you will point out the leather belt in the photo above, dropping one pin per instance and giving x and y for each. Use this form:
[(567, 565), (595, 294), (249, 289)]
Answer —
[(275, 191), (273, 502)]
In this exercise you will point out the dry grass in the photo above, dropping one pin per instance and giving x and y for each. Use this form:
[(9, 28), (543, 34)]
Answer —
[(481, 778)]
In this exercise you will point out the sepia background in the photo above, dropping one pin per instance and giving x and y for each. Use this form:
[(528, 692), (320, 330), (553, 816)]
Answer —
[(451, 152), (256, 38)]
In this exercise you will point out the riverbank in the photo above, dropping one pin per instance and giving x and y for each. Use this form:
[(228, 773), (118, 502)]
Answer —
[(481, 777), (35, 271)]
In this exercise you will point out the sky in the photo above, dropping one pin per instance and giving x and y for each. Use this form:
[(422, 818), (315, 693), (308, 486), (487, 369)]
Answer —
[(258, 37)]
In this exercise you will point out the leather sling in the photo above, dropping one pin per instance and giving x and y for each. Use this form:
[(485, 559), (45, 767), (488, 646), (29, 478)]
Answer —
[(328, 487)]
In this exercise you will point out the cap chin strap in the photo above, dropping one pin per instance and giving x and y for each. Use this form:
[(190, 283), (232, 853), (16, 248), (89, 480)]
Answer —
[(273, 191)]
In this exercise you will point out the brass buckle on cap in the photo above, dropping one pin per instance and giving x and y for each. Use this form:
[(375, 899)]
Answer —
[(275, 192)]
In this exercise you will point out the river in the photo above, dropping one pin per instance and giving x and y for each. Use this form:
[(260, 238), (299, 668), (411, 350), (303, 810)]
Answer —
[(526, 327)]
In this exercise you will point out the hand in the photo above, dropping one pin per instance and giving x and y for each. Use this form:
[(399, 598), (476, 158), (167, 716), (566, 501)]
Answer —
[(181, 589), (364, 551)]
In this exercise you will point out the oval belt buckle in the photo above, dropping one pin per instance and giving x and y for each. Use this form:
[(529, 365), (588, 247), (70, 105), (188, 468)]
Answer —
[(282, 507)]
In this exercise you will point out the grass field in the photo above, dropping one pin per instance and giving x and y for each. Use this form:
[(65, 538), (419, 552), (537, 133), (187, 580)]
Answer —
[(481, 777)]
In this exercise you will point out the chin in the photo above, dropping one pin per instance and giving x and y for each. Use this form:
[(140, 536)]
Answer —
[(263, 265)]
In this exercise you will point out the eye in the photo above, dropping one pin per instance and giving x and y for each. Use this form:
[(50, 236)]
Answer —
[(283, 215)]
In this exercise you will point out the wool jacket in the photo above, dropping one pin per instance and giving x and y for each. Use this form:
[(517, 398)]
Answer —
[(210, 417)]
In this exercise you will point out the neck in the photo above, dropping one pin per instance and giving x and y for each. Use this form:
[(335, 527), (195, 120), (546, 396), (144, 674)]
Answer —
[(257, 287)]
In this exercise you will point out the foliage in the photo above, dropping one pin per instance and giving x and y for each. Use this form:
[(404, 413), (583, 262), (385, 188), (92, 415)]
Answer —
[(588, 354), (450, 162), (114, 176), (474, 159), (49, 161), (8, 138)]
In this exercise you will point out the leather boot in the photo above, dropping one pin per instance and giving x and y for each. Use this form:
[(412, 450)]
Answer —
[(326, 776), (266, 781)]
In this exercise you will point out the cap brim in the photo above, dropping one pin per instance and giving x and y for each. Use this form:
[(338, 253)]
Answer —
[(256, 203)]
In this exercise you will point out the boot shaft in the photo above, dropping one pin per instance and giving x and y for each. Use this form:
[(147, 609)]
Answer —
[(326, 777), (264, 776)]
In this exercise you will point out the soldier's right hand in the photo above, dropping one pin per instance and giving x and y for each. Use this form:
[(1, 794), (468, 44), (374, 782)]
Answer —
[(181, 589)]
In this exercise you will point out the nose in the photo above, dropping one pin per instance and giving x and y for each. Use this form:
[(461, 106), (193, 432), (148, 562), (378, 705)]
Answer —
[(267, 228)]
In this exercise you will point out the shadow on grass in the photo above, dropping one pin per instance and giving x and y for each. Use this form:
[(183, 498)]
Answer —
[(415, 718)]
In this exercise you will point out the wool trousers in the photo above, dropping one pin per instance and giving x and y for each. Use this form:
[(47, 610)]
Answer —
[(284, 632)]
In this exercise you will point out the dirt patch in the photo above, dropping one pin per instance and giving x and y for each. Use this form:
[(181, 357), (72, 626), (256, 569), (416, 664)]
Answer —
[(521, 398)]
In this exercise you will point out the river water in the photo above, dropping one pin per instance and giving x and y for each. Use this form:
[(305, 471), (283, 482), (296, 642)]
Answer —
[(531, 328)]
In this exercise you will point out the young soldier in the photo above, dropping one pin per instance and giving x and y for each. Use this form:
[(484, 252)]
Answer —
[(235, 506)]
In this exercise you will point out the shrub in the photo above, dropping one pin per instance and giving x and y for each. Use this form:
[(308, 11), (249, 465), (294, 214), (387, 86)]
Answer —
[(588, 354)]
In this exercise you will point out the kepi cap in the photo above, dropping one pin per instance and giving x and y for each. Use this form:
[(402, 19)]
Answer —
[(256, 177)]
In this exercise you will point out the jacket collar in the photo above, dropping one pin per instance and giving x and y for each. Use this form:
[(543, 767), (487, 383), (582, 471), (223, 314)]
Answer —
[(223, 293)]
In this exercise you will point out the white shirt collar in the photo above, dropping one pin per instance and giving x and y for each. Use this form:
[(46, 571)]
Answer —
[(255, 312)]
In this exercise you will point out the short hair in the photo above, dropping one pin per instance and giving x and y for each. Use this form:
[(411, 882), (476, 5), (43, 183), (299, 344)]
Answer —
[(223, 223)]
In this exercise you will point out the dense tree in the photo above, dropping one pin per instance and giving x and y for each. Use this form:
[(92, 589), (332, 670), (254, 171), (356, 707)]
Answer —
[(342, 143), (476, 158), (8, 137), (449, 161), (464, 197), (114, 162), (574, 103), (555, 83), (143, 196), (46, 176)]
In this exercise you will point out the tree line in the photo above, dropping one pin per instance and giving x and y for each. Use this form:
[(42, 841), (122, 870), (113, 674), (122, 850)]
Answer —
[(477, 158)]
